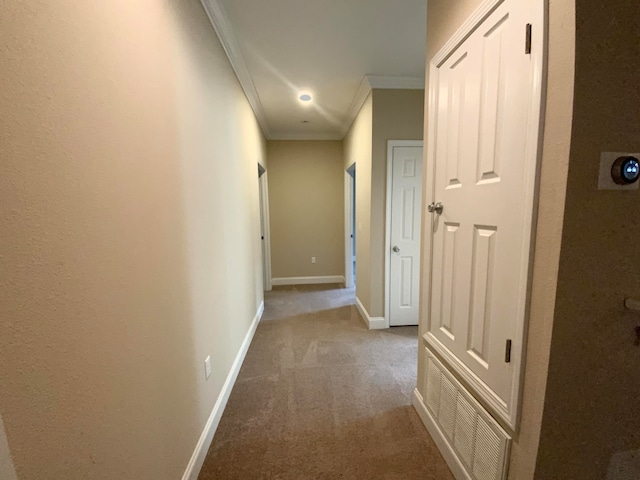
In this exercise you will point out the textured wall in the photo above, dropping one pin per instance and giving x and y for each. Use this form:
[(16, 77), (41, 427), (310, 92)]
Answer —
[(552, 190), (306, 207), (357, 149), (593, 392), (129, 226), (397, 115)]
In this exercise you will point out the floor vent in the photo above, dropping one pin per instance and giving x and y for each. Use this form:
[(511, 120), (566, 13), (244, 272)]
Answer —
[(481, 445)]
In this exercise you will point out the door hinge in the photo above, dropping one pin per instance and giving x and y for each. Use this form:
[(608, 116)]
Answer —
[(527, 42), (507, 352)]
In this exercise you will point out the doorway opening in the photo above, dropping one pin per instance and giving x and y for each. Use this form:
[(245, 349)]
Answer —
[(350, 226), (265, 239)]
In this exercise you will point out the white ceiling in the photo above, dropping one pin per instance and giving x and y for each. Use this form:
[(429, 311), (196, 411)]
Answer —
[(337, 49)]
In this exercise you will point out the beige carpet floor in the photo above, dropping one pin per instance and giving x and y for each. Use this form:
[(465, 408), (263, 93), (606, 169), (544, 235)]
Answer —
[(321, 397)]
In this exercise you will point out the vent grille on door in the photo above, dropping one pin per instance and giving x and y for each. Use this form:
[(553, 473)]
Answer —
[(465, 430), (479, 442)]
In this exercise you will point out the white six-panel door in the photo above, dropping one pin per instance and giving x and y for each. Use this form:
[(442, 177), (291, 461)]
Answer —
[(405, 212), (483, 127)]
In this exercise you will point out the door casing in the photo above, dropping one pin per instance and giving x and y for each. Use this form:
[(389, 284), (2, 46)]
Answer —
[(391, 144)]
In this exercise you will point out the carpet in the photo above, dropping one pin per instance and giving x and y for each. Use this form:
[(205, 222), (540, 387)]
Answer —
[(319, 396)]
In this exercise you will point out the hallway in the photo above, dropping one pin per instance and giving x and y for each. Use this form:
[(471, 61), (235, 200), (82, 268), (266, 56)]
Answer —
[(321, 397)]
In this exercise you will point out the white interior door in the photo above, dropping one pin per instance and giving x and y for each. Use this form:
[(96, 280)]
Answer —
[(405, 214), (484, 126)]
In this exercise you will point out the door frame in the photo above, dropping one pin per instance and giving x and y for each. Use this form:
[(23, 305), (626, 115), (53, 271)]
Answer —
[(349, 215), (266, 242), (391, 144)]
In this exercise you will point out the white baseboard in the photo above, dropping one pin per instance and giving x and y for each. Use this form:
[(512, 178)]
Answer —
[(202, 447), (440, 440), (373, 323), (307, 280)]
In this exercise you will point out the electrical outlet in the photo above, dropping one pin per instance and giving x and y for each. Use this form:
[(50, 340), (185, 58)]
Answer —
[(313, 259), (207, 367)]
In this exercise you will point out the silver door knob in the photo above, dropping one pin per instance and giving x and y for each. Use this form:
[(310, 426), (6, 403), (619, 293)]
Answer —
[(395, 249), (436, 207)]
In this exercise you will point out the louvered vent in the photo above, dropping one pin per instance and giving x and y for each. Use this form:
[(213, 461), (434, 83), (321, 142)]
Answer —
[(433, 388), (447, 418), (465, 430), (486, 459), (479, 442)]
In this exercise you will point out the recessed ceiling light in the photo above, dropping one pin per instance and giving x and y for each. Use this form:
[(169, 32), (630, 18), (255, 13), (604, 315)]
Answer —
[(305, 97)]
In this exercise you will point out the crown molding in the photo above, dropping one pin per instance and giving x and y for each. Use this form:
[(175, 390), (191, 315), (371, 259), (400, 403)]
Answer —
[(371, 82), (358, 100), (306, 136), (222, 26)]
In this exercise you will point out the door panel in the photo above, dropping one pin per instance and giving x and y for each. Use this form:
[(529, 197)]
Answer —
[(405, 217), (482, 273), (448, 296), (458, 76), (480, 243), (406, 276), (408, 213), (493, 93)]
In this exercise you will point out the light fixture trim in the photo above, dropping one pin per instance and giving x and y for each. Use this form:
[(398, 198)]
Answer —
[(305, 97)]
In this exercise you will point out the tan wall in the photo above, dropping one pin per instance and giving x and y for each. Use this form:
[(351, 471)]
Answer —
[(397, 115), (358, 150), (7, 470), (306, 208), (593, 390), (385, 115), (129, 224), (552, 190), (443, 19)]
